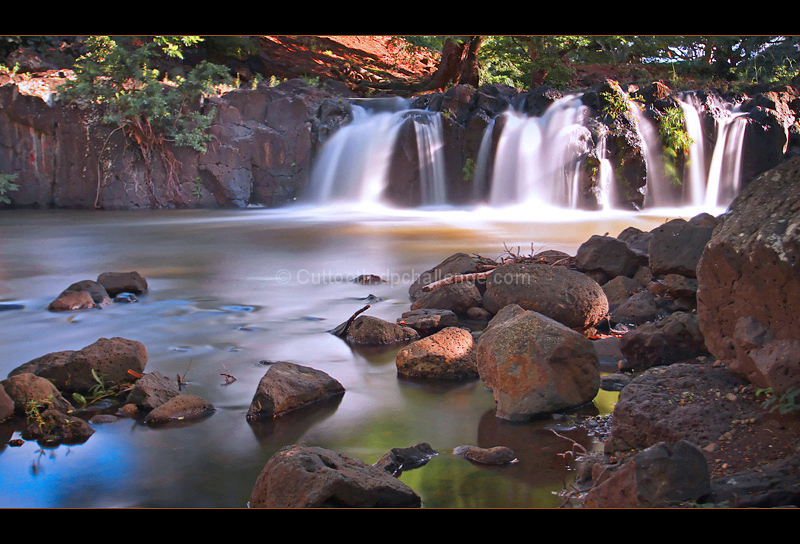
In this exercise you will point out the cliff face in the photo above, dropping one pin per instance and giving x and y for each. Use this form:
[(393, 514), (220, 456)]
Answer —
[(264, 141)]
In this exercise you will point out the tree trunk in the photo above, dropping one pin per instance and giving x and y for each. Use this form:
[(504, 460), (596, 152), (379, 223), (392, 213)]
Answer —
[(469, 69)]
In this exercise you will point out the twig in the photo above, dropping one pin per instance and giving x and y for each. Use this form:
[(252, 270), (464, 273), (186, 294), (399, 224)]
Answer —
[(342, 329), (458, 278), (574, 444)]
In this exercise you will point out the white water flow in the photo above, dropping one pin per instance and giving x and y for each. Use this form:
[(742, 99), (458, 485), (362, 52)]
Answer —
[(537, 158), (430, 153), (354, 165), (724, 177), (530, 164), (606, 189)]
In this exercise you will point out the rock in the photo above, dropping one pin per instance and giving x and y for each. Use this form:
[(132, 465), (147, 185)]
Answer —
[(122, 282), (764, 360), (372, 331), (445, 355), (620, 289), (26, 389), (678, 286), (46, 363), (287, 386), (674, 339), (427, 321), (457, 297), (301, 476), (498, 455), (456, 264), (152, 390), (400, 459), (72, 300), (609, 255), (110, 359), (663, 475), (54, 427), (96, 290), (636, 310), (772, 486), (677, 245), (6, 404), (750, 270), (673, 403), (636, 239), (615, 382), (535, 365), (567, 296), (183, 407)]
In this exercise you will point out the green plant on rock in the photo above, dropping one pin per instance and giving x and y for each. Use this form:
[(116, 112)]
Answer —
[(7, 186), (672, 129), (149, 108)]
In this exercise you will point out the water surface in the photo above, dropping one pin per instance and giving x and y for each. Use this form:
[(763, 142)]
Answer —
[(230, 290)]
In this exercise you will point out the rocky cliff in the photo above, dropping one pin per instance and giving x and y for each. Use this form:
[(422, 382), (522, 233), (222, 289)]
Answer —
[(264, 141)]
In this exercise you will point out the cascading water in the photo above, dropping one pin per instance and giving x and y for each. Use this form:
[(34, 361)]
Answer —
[(537, 158), (705, 185), (535, 163), (354, 165)]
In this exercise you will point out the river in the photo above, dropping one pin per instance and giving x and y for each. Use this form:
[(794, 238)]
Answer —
[(231, 289)]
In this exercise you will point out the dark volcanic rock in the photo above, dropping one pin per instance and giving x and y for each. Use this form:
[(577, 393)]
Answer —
[(750, 270)]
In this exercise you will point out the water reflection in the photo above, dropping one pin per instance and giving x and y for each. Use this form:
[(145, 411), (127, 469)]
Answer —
[(218, 302)]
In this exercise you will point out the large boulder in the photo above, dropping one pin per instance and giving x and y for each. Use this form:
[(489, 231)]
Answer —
[(682, 401), (749, 279), (445, 355), (674, 339), (676, 246), (454, 265), (288, 386), (608, 255), (457, 297), (662, 475), (301, 476), (567, 296), (535, 365), (107, 359), (26, 390)]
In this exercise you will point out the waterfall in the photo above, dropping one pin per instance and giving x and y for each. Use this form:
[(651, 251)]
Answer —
[(724, 176), (430, 153), (606, 190), (707, 185), (353, 166), (532, 163), (537, 159)]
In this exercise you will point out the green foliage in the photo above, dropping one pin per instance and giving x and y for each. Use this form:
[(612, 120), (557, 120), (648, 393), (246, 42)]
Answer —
[(672, 128), (134, 96), (785, 403), (6, 186)]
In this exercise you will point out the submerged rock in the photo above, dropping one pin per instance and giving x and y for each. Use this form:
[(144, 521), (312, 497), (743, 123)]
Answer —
[(372, 331), (401, 459), (183, 407), (302, 476), (498, 455), (287, 386)]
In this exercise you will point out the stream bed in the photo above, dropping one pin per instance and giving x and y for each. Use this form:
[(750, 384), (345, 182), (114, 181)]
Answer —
[(231, 290)]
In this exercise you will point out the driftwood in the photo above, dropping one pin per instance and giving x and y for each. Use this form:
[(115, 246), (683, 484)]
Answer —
[(341, 330), (456, 279)]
